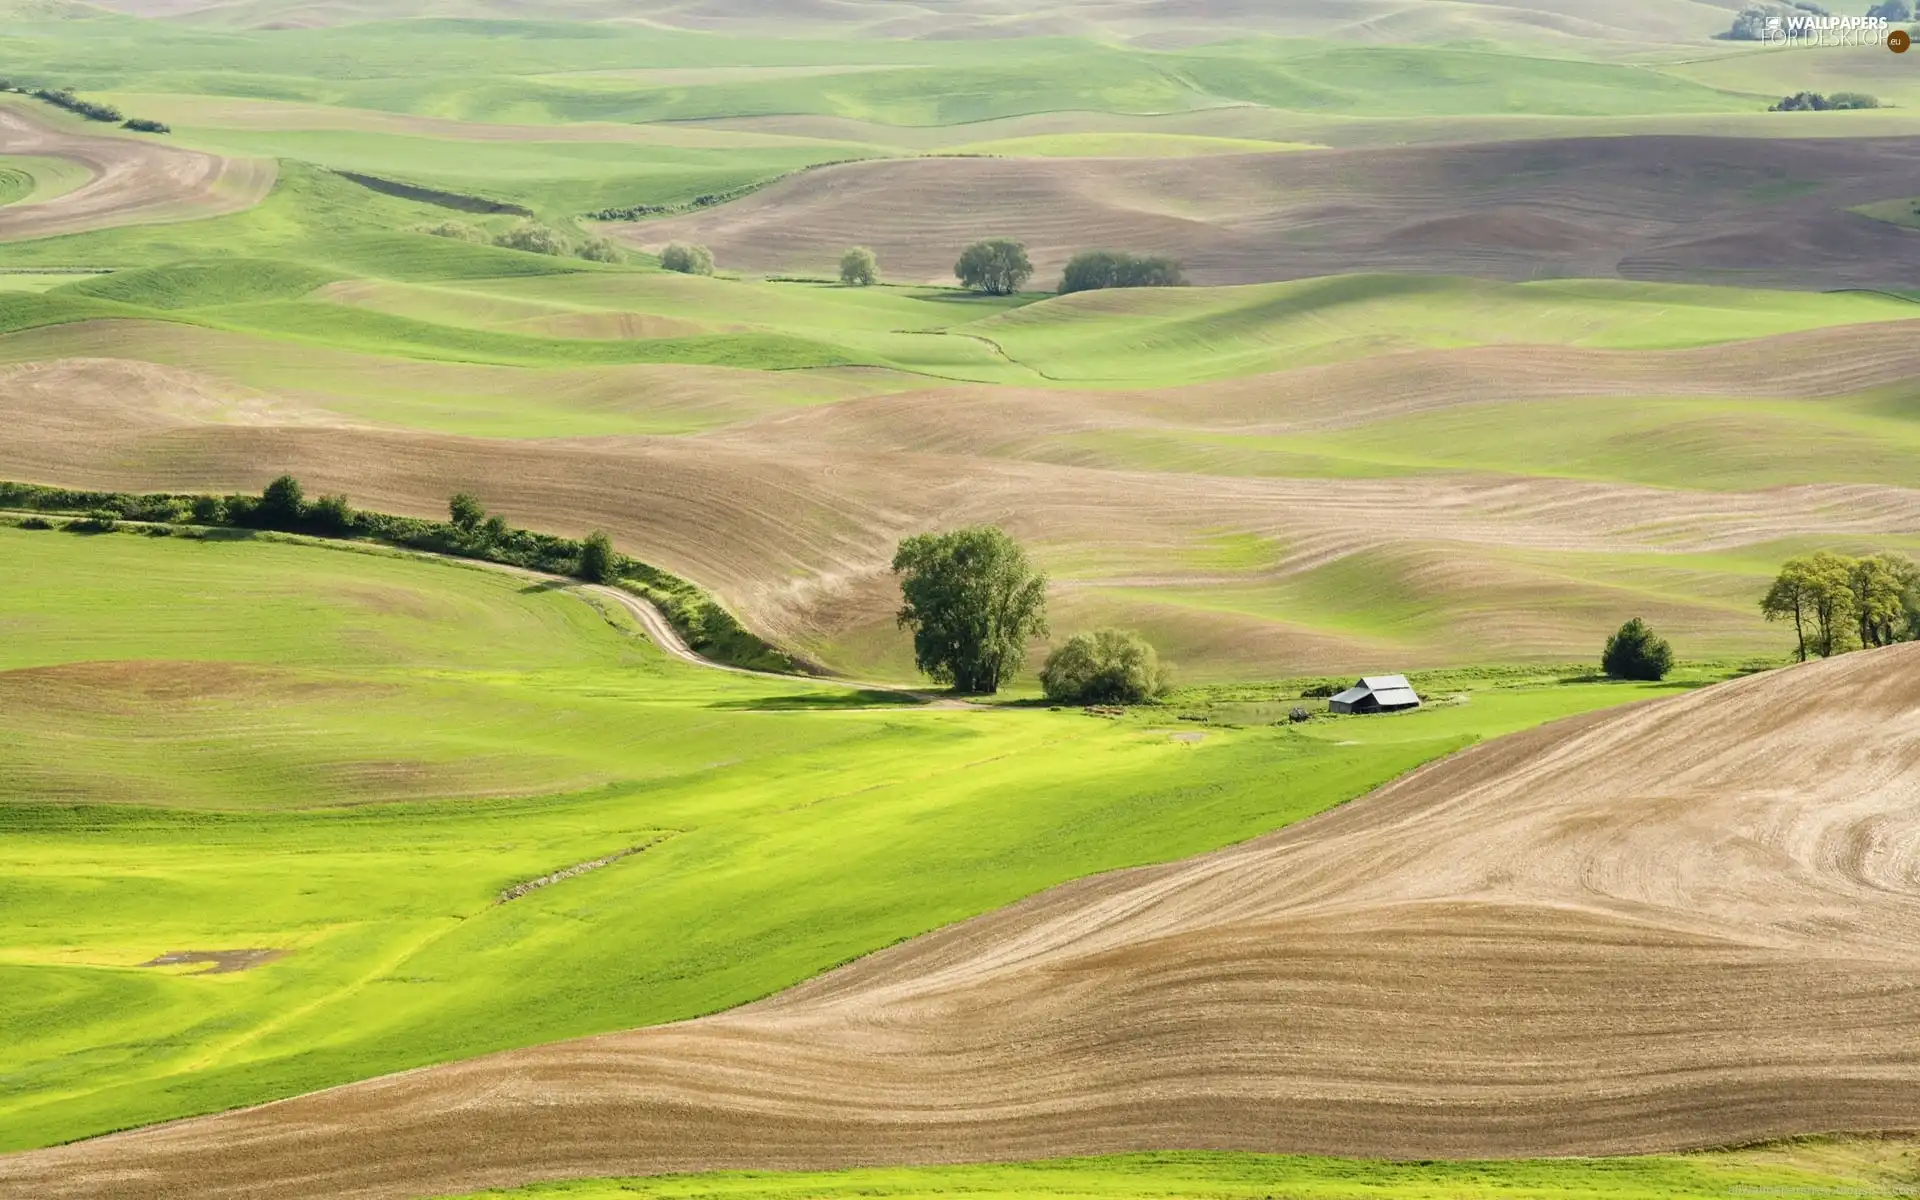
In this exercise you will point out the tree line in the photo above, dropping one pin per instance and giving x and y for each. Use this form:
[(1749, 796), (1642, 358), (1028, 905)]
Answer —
[(1000, 267), (92, 110), (1837, 603), (470, 531)]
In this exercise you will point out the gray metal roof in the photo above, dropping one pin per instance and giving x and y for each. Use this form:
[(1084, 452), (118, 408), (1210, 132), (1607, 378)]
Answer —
[(1349, 696), (1384, 683), (1389, 697)]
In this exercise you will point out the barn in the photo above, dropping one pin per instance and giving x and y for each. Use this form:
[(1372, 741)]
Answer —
[(1376, 693)]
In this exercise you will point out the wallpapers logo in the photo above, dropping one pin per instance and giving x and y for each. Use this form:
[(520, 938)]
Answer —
[(1808, 29)]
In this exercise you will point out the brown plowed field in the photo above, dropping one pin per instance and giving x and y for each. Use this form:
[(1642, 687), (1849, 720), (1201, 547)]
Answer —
[(1710, 209), (1681, 924), (135, 181)]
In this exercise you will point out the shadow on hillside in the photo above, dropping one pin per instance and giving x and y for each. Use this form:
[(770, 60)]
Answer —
[(821, 701)]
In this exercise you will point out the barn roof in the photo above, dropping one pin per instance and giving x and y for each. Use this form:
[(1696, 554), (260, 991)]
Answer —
[(1392, 697), (1384, 683), (1350, 695)]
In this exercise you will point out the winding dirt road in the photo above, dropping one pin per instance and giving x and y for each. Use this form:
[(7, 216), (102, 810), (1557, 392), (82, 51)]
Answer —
[(136, 181), (1679, 924)]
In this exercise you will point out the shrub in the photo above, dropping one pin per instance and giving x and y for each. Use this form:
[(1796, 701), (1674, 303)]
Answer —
[(1815, 102), (36, 523), (600, 250), (99, 520), (1299, 715), (687, 259), (1092, 269), (208, 510), (455, 231), (533, 239), (997, 267), (1107, 666), (598, 563), (495, 529), (143, 125), (859, 267), (1635, 653)]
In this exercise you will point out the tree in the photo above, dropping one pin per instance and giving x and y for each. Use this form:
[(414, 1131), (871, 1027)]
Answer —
[(332, 514), (282, 503), (972, 602), (1091, 269), (466, 511), (1878, 586), (598, 563), (859, 267), (1893, 11), (209, 510), (1816, 591), (688, 260), (1107, 666), (997, 267), (1634, 652)]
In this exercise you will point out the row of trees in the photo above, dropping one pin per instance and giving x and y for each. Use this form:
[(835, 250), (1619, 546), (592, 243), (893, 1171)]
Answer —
[(1000, 267), (974, 602), (530, 237), (1837, 603)]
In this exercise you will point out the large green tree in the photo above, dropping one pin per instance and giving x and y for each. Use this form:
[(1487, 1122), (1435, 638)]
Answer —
[(1816, 593), (1880, 585), (973, 602), (996, 266)]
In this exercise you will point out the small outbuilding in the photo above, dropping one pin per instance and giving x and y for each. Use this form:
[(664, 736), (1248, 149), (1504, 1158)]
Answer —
[(1376, 693)]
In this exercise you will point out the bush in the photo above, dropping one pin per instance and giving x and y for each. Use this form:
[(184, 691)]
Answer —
[(600, 250), (1092, 269), (99, 520), (208, 510), (687, 260), (36, 523), (533, 239), (1299, 715), (454, 231), (1815, 102), (1107, 666), (997, 267), (1635, 653), (1892, 11), (597, 559), (466, 511), (143, 125), (859, 267)]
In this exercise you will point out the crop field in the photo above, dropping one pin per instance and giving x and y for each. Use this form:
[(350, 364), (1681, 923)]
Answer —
[(1503, 323)]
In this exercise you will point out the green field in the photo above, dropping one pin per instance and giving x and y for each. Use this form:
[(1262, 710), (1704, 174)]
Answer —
[(36, 177), (189, 724), (1814, 1167)]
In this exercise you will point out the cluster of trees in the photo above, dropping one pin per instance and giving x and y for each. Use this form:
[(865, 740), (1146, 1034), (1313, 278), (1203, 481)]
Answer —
[(974, 602), (687, 259), (1892, 11), (1838, 603), (530, 237), (1815, 102), (92, 111), (1093, 269), (1000, 267), (1750, 23)]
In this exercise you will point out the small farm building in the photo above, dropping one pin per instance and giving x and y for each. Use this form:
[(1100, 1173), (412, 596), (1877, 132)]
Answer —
[(1376, 693)]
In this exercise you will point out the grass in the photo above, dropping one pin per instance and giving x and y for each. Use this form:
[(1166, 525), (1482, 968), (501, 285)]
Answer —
[(189, 725), (29, 177), (1810, 1167)]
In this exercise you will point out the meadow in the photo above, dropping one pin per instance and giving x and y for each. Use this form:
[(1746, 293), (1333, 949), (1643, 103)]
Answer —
[(1810, 1167)]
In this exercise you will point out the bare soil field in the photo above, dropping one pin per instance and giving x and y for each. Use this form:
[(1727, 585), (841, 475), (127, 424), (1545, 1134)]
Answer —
[(792, 516), (135, 182), (1760, 212), (1681, 924)]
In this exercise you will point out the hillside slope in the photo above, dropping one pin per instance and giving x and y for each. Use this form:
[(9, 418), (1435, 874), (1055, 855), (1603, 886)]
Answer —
[(1682, 924)]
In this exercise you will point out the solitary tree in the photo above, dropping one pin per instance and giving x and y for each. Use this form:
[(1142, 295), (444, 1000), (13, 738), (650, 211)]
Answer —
[(283, 502), (1634, 652), (997, 267), (466, 511), (972, 602), (1107, 666), (687, 259), (859, 267), (597, 558)]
